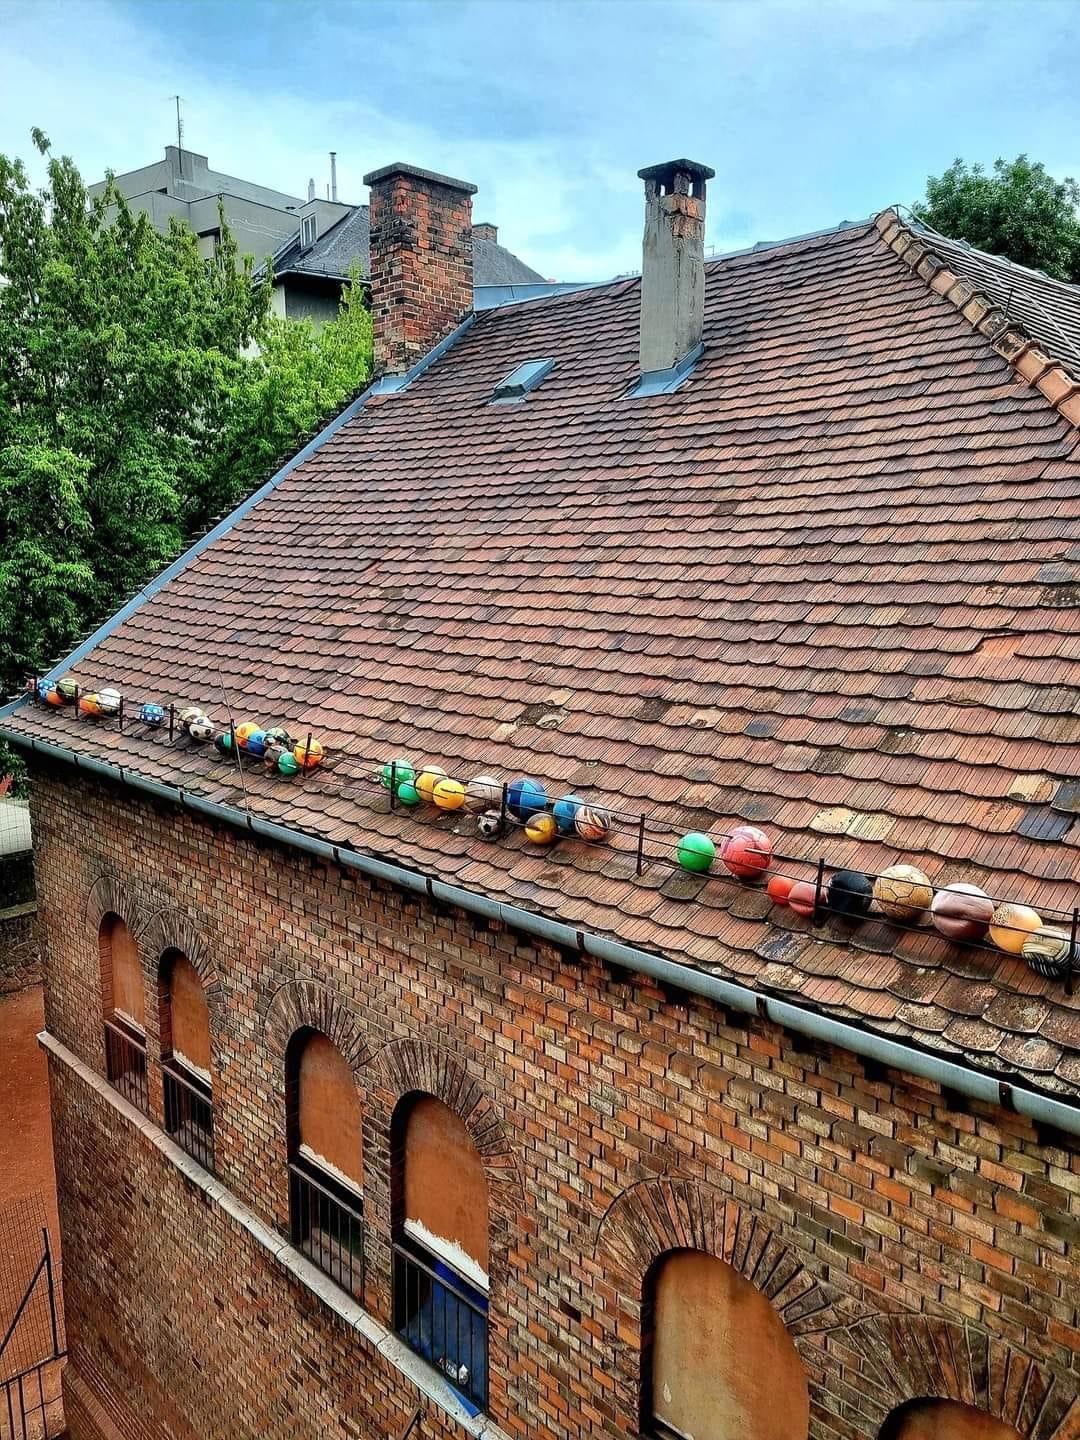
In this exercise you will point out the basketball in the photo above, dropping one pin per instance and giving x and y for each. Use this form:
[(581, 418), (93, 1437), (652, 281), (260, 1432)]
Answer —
[(849, 893), (746, 852), (1011, 926)]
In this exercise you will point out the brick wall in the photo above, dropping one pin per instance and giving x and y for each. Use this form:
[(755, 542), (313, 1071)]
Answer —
[(20, 961), (913, 1246)]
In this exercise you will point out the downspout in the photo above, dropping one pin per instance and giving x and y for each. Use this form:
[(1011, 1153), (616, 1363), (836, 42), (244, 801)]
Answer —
[(974, 1084)]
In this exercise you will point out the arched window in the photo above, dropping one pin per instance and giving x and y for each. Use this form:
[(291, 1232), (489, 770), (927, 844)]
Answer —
[(944, 1420), (325, 1137), (124, 1004), (716, 1358), (185, 1057), (441, 1243)]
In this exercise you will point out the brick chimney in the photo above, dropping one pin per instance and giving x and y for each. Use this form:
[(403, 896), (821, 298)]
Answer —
[(484, 230), (673, 263), (421, 261)]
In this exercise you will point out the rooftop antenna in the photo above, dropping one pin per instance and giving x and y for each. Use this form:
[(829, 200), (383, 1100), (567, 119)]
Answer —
[(179, 122)]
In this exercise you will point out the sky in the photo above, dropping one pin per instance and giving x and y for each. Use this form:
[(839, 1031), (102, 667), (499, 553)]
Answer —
[(810, 113)]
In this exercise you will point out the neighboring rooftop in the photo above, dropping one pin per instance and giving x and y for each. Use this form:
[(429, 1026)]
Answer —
[(830, 586)]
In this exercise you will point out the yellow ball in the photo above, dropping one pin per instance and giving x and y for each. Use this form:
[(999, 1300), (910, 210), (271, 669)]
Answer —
[(307, 754), (1011, 926), (449, 794), (242, 731), (542, 829), (426, 781)]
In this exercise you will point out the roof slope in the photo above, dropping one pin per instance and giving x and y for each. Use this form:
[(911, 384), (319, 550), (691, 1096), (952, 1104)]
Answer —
[(348, 243), (832, 585)]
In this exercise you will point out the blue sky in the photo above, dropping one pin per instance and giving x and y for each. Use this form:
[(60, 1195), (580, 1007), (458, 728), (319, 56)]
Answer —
[(810, 113)]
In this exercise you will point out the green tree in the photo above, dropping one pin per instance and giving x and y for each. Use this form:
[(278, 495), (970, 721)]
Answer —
[(143, 389), (1019, 211)]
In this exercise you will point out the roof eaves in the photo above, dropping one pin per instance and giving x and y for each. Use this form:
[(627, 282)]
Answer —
[(1031, 361)]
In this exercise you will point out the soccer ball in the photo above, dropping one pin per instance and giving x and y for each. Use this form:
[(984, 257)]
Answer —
[(490, 824)]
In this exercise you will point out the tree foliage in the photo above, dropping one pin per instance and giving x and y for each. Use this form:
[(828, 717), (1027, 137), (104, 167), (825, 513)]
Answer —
[(1018, 210), (143, 389)]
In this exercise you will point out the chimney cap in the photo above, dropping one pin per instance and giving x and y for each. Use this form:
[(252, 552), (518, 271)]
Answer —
[(664, 174), (433, 177)]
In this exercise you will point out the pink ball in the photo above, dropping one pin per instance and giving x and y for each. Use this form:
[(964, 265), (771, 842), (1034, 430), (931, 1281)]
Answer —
[(747, 852), (802, 897), (961, 912)]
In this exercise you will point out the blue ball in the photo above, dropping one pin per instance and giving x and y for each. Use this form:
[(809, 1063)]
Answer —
[(565, 810), (256, 742), (526, 797), (153, 715)]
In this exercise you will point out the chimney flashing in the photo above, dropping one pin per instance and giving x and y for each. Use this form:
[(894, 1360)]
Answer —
[(666, 382), (414, 172)]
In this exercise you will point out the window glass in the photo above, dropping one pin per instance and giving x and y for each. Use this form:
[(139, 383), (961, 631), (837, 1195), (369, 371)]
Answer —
[(122, 973), (190, 1019)]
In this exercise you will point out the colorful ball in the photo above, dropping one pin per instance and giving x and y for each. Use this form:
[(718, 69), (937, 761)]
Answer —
[(152, 715), (961, 912), (695, 851), (109, 700), (779, 888), (849, 893), (565, 812), (1011, 925), (68, 689), (223, 743), (490, 824), (1050, 952), (526, 797), (88, 705), (308, 754), (592, 823), (408, 794), (241, 731), (802, 897), (746, 852), (288, 764), (482, 793), (449, 794), (398, 772), (51, 695), (202, 729), (541, 829), (272, 753), (255, 744), (278, 735), (426, 781), (902, 892)]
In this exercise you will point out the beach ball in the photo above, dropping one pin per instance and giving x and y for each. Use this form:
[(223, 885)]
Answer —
[(1049, 952), (426, 781), (541, 829), (565, 812), (526, 797), (50, 694), (272, 753), (288, 764), (802, 897), (902, 892), (850, 892), (961, 912), (482, 793), (779, 888), (203, 729), (746, 852), (408, 794), (68, 689), (152, 715), (241, 731), (88, 705), (490, 824), (255, 744), (695, 851), (223, 743), (109, 700), (400, 771), (308, 754), (449, 794), (1011, 925), (592, 823)]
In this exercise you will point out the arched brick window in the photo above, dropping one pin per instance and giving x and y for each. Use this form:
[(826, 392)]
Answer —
[(717, 1360), (441, 1244), (185, 1057), (124, 1004), (944, 1420), (325, 1139)]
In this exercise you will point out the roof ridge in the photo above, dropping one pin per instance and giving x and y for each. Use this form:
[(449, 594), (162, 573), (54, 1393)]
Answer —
[(1032, 362), (924, 227)]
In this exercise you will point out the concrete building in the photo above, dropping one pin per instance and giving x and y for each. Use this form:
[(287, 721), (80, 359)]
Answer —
[(683, 1040)]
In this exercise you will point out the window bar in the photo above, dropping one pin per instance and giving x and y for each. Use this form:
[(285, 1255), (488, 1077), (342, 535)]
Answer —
[(818, 883), (393, 784), (1070, 973), (502, 807), (172, 721), (641, 844)]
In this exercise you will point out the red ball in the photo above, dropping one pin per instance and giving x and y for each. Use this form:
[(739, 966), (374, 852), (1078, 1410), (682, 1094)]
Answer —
[(802, 897), (779, 888), (747, 852)]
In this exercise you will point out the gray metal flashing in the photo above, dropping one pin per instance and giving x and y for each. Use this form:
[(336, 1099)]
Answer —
[(952, 1075), (493, 297), (666, 382), (386, 385)]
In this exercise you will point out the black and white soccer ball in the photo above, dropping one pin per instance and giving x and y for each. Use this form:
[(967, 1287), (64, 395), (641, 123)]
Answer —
[(490, 824)]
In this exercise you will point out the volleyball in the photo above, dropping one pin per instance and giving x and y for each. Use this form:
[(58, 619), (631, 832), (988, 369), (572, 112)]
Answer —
[(746, 852)]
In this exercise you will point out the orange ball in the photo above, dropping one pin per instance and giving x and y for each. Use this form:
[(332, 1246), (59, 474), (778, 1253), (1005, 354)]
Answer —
[(428, 778), (1012, 925), (779, 888), (88, 705), (307, 754)]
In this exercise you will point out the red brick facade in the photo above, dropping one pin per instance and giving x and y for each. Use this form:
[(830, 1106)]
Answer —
[(421, 261), (912, 1246)]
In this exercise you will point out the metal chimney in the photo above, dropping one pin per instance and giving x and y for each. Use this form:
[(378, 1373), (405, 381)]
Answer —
[(673, 265), (311, 190), (333, 174)]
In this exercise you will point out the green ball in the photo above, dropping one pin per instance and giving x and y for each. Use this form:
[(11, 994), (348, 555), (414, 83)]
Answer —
[(403, 772), (408, 793), (288, 764), (696, 851)]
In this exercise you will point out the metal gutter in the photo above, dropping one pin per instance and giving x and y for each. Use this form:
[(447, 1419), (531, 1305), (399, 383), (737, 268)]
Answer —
[(974, 1084), (385, 385)]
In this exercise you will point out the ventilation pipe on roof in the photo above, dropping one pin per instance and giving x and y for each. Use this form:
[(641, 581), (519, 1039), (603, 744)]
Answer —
[(333, 174), (672, 273), (311, 190)]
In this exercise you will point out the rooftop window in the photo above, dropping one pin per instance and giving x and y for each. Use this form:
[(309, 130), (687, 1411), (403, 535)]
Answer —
[(519, 382)]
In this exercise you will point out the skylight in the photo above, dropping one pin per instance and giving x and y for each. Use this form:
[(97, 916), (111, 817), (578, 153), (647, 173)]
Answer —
[(519, 382)]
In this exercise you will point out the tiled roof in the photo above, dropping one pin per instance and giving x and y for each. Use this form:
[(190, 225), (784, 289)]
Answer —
[(347, 242), (832, 585)]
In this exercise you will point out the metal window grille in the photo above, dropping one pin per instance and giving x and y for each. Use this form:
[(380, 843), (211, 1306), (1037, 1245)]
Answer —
[(443, 1318), (327, 1225), (125, 1065), (189, 1114)]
